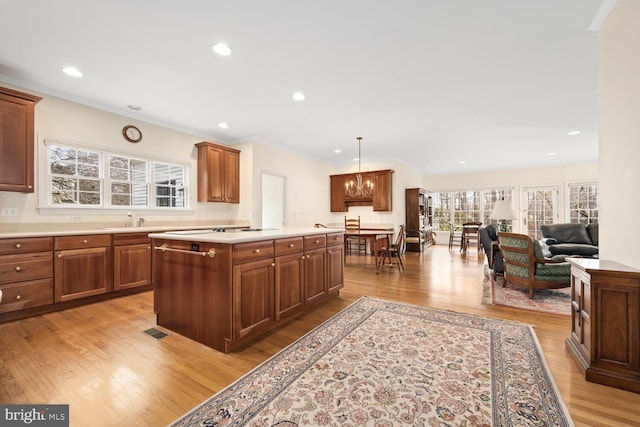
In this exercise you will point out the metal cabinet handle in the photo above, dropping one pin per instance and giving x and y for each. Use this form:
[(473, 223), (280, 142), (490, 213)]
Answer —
[(18, 268), (256, 251), (18, 296), (211, 252), (291, 245), (317, 241), (328, 251), (273, 264), (18, 245), (85, 241), (59, 255)]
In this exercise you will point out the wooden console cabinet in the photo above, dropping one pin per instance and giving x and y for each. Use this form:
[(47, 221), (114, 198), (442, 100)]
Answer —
[(605, 322), (16, 140)]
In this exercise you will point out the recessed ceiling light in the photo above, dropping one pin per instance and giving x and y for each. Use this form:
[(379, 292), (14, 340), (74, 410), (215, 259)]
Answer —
[(223, 125), (298, 96), (337, 151), (574, 132), (134, 107), (72, 71), (551, 154), (221, 49), (462, 162), (355, 159)]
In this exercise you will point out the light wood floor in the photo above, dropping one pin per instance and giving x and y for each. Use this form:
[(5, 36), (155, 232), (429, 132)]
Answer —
[(97, 359)]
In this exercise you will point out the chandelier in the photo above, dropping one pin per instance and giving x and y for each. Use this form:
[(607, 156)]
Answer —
[(359, 188)]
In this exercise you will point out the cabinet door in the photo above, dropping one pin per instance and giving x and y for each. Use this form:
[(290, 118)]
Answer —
[(289, 290), (231, 177), (315, 276), (16, 141), (337, 194), (382, 191), (253, 295), (131, 266), (335, 276), (210, 174), (81, 273)]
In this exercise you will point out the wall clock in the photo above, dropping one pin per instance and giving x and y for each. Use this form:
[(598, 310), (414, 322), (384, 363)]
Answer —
[(132, 133)]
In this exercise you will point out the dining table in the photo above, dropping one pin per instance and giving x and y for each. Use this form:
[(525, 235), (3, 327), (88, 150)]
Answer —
[(373, 236)]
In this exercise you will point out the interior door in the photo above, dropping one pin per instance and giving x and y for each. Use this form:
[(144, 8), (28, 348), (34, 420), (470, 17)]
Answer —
[(539, 207), (273, 202)]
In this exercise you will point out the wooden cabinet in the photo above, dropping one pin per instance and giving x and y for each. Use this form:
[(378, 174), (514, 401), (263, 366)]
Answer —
[(415, 200), (82, 266), (235, 298), (16, 140), (335, 262), (381, 199), (26, 273), (131, 260), (337, 194), (289, 277), (382, 184), (218, 173), (605, 322)]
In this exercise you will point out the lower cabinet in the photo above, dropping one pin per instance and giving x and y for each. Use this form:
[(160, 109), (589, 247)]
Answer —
[(335, 262), (131, 261), (253, 298), (289, 285), (315, 279), (82, 266)]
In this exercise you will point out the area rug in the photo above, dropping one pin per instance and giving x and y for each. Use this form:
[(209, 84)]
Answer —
[(552, 301), (383, 363)]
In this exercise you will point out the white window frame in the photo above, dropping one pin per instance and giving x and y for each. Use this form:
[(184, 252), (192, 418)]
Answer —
[(45, 203), (568, 200), (456, 215)]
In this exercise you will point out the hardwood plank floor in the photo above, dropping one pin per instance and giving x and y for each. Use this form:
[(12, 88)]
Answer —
[(97, 359)]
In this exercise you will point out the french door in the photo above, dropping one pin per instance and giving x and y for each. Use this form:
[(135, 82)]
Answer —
[(539, 207)]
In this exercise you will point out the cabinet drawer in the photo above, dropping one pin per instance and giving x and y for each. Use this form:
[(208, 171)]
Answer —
[(252, 251), (288, 246), (335, 239), (33, 244), (26, 294), (315, 242), (85, 241), (130, 238), (19, 268)]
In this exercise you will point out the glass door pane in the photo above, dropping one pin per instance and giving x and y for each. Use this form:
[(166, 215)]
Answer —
[(539, 208)]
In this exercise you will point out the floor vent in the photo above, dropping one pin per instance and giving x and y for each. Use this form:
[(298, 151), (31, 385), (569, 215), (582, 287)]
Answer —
[(155, 333)]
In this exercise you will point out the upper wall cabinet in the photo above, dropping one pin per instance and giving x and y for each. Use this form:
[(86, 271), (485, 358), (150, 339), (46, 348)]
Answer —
[(16, 140), (218, 173), (373, 189)]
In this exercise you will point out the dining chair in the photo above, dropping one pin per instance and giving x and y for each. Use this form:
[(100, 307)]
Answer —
[(470, 234), (390, 251), (354, 240), (453, 237)]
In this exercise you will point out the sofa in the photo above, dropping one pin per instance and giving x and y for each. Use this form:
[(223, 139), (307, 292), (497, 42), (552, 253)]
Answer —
[(570, 239), (489, 235)]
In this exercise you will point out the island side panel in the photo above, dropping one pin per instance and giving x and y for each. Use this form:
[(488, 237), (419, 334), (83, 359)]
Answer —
[(192, 293)]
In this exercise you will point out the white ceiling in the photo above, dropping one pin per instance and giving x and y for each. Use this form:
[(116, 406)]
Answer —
[(430, 83)]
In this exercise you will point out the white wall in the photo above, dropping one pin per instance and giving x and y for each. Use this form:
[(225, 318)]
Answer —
[(619, 128), (518, 179)]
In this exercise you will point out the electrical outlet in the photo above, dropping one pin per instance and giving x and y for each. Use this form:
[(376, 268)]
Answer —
[(76, 218), (8, 211)]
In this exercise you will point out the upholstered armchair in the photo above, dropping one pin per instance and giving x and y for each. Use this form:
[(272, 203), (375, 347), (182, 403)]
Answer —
[(525, 265)]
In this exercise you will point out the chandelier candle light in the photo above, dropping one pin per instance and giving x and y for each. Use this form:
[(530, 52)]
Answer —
[(502, 211), (359, 188)]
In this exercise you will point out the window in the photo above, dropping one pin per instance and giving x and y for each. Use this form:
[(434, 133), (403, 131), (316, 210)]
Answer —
[(459, 207), (583, 203), (86, 178)]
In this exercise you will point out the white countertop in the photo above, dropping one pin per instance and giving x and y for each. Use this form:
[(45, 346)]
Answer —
[(108, 230), (237, 236)]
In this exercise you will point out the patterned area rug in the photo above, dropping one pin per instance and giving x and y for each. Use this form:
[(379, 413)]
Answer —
[(382, 363), (552, 301)]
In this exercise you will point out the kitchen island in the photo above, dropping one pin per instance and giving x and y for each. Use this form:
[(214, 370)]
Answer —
[(224, 289)]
